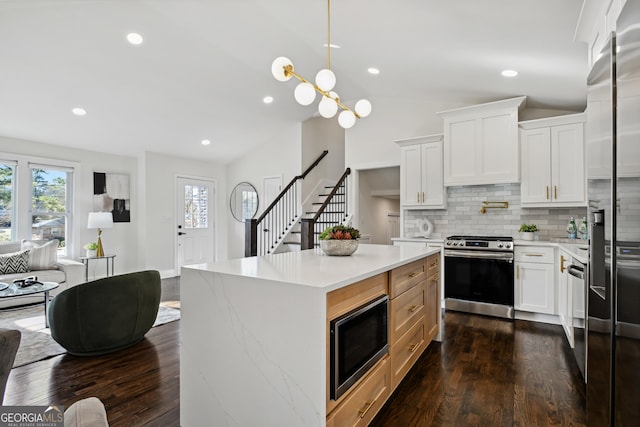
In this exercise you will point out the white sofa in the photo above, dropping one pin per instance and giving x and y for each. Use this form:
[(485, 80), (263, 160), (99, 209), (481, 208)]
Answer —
[(66, 272)]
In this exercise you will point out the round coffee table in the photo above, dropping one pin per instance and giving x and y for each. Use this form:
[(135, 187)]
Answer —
[(14, 290)]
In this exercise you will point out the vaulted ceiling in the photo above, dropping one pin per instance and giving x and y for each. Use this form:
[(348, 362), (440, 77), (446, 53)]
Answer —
[(204, 66)]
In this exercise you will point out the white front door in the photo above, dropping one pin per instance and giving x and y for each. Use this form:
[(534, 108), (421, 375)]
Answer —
[(195, 222)]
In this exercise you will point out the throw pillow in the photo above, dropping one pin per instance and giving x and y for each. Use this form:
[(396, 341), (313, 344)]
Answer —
[(16, 262), (43, 254)]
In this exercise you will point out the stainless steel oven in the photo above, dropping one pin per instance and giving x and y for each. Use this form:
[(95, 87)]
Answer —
[(479, 275)]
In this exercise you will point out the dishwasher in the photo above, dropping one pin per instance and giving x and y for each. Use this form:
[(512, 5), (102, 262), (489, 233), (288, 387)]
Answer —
[(578, 286)]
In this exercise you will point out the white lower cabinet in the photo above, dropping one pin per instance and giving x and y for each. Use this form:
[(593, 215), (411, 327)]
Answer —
[(534, 280)]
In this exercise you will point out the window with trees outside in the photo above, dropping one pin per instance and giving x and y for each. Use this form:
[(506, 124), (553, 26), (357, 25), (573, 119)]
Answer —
[(7, 196), (36, 202)]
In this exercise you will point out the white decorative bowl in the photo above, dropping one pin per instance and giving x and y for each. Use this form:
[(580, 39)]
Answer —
[(338, 247)]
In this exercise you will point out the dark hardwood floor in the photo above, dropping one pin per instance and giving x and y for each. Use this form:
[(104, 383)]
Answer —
[(486, 372)]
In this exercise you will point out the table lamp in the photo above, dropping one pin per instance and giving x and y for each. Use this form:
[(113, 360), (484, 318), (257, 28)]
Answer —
[(100, 220)]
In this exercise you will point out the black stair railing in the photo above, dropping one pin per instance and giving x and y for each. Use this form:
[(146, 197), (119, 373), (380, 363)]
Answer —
[(263, 233), (333, 211)]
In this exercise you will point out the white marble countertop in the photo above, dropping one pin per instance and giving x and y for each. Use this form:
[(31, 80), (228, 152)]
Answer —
[(315, 269)]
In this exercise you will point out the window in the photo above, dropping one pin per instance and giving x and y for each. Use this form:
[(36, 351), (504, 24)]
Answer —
[(50, 201), (196, 200), (36, 200), (7, 196)]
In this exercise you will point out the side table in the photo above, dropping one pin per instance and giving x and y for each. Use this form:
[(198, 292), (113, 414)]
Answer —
[(85, 260)]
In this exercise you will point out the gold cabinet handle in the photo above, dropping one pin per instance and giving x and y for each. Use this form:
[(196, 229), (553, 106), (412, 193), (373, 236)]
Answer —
[(423, 197), (418, 193), (517, 272), (362, 412), (413, 308), (547, 192), (555, 192), (562, 260), (533, 255), (413, 347), (414, 274)]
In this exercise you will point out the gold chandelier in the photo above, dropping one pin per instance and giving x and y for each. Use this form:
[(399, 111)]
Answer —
[(305, 92)]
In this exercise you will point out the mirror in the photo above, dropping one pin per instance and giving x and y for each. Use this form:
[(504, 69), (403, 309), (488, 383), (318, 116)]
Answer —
[(244, 201)]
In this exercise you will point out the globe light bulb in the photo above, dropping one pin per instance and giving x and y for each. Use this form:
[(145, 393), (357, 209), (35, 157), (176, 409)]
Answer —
[(347, 119), (363, 108), (325, 80), (277, 68), (304, 93), (327, 107)]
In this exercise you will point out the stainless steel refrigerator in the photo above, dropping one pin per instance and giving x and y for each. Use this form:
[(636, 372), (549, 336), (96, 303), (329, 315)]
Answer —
[(613, 171)]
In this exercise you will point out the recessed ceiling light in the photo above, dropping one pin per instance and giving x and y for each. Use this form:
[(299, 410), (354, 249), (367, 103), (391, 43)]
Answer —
[(373, 70), (79, 111), (134, 38), (267, 99), (509, 73), (205, 142), (332, 46)]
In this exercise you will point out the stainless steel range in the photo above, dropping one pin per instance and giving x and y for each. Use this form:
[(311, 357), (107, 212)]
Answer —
[(479, 275)]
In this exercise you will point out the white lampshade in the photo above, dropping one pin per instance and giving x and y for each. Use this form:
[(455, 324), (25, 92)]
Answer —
[(305, 94), (347, 119), (363, 108), (277, 68), (327, 107), (100, 220), (326, 80)]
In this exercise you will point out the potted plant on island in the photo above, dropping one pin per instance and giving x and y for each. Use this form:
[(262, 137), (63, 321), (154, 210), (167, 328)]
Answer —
[(92, 249), (528, 231), (339, 240)]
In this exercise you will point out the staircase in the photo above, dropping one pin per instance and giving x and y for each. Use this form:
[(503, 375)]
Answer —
[(281, 228), (334, 212)]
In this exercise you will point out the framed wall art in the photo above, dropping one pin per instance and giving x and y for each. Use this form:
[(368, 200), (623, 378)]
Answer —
[(111, 193)]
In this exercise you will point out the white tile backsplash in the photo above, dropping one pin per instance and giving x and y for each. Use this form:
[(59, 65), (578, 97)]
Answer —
[(463, 216)]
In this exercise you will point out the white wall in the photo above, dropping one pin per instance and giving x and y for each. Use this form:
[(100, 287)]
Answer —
[(370, 142), (158, 231), (117, 240), (319, 134), (278, 157)]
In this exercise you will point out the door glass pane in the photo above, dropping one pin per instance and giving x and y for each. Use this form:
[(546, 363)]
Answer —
[(6, 201), (196, 200)]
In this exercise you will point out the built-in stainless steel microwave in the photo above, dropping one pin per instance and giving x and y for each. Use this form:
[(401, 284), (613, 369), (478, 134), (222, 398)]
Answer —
[(358, 340)]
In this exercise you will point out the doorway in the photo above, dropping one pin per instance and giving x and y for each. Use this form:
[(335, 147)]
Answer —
[(195, 225), (271, 188)]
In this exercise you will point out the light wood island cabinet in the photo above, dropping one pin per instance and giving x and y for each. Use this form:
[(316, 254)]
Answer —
[(254, 334), (413, 321)]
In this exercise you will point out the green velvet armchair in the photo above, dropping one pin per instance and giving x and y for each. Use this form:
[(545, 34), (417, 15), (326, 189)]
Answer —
[(105, 315)]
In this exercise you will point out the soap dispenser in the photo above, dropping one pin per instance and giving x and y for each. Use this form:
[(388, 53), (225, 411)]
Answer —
[(572, 229), (583, 229)]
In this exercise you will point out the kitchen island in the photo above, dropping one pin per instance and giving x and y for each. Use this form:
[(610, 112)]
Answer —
[(254, 332)]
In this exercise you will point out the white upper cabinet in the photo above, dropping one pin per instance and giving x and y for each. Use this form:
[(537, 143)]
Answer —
[(481, 143), (421, 184), (597, 20), (553, 162)]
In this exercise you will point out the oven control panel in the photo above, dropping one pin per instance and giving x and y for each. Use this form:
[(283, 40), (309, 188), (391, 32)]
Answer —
[(479, 243)]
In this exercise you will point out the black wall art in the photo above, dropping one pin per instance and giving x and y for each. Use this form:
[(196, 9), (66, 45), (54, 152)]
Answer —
[(111, 193)]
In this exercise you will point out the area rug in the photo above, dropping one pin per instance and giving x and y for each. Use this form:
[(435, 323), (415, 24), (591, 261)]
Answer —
[(37, 344)]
